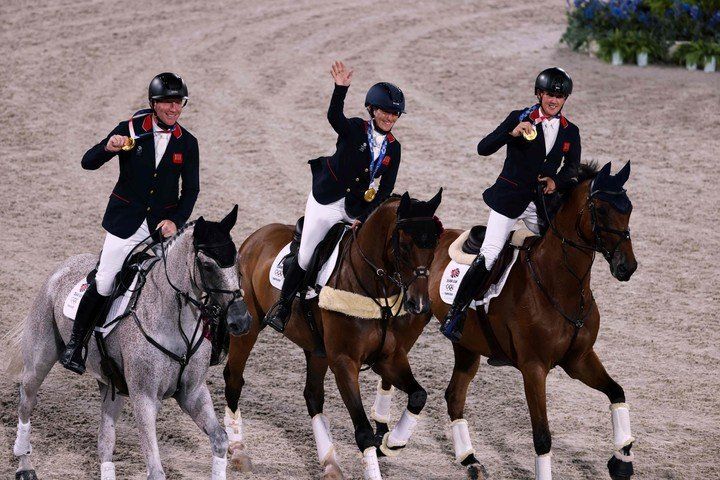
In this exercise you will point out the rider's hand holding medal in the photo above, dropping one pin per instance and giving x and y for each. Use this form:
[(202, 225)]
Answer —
[(526, 129)]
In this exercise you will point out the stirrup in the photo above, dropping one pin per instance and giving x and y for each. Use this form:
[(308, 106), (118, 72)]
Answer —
[(277, 322)]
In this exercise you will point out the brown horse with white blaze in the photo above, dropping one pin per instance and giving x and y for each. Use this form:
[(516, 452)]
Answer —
[(546, 315), (382, 267)]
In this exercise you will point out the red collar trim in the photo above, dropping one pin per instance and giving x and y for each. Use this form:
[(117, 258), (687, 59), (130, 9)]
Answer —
[(563, 121), (535, 114), (177, 131), (147, 122)]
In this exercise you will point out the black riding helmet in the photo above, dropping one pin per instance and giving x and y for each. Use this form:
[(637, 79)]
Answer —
[(554, 80), (386, 96), (167, 85)]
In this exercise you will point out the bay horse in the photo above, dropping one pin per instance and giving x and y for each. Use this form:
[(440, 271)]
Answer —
[(159, 347), (385, 260), (546, 315)]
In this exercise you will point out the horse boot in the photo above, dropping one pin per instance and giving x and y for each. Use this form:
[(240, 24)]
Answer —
[(278, 316), (91, 305), (454, 321)]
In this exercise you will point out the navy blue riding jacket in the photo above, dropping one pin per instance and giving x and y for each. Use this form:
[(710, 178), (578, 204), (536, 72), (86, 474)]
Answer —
[(516, 186), (347, 172), (143, 191)]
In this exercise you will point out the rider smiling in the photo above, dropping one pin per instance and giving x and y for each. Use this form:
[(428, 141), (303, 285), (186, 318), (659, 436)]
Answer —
[(345, 185), (151, 165), (542, 147)]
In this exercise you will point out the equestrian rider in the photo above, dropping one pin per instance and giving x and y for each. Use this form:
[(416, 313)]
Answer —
[(542, 146), (348, 185), (154, 152)]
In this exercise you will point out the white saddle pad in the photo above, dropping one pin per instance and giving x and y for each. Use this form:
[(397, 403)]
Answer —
[(118, 307), (276, 271), (453, 275)]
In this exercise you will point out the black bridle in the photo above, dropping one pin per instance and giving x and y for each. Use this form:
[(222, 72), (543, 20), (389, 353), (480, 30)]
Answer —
[(387, 280), (589, 247), (209, 308)]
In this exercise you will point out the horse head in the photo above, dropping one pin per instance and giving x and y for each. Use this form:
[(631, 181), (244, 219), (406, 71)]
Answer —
[(605, 221), (414, 239), (216, 262)]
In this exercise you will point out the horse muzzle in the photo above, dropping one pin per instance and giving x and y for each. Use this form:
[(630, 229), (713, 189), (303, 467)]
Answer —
[(238, 318), (622, 268), (417, 306)]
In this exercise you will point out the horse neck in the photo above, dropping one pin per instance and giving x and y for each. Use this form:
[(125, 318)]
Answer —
[(178, 261), (377, 226), (551, 255)]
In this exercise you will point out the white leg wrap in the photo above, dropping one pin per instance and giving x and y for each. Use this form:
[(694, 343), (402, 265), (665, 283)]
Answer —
[(624, 458), (22, 440), (107, 471), (542, 467), (461, 439), (371, 469), (233, 425), (219, 467), (323, 440), (380, 411), (400, 434), (621, 425)]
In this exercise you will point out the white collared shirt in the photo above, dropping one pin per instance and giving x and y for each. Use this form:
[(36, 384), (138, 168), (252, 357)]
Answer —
[(162, 138), (550, 130)]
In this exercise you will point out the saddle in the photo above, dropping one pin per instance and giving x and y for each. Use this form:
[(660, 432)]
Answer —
[(321, 254)]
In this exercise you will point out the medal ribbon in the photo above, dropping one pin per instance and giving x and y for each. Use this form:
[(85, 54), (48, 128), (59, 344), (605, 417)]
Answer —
[(375, 163)]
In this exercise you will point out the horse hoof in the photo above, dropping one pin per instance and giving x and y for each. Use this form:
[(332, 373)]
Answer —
[(240, 461), (332, 472), (26, 475), (619, 470), (477, 471)]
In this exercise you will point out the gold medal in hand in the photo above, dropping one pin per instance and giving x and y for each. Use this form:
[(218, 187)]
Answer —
[(530, 136), (370, 194), (129, 144)]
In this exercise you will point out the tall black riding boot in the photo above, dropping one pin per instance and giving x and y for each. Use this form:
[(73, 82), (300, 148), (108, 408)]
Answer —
[(278, 315), (91, 305), (454, 322)]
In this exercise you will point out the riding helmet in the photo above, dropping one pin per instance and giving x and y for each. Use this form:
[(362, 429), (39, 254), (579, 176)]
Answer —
[(386, 96), (554, 80), (167, 85)]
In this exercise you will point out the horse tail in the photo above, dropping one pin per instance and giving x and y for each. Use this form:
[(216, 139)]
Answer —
[(12, 342)]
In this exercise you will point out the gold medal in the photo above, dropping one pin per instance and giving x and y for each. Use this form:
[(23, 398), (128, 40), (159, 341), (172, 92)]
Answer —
[(129, 144), (370, 194), (530, 136)]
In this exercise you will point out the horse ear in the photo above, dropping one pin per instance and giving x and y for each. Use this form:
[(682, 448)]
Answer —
[(622, 176), (200, 228), (604, 171), (404, 202), (434, 202), (228, 222)]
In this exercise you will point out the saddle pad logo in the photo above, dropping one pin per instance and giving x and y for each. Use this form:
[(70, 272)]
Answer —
[(177, 158), (386, 160), (566, 147), (455, 272)]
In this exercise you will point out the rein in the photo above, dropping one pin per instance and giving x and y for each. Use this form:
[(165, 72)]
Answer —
[(385, 280), (211, 311)]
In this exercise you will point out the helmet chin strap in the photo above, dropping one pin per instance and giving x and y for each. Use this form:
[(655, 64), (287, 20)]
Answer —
[(371, 111), (539, 97), (159, 122)]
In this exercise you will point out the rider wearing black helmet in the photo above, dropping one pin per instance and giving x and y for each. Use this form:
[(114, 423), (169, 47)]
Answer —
[(155, 153), (543, 146), (348, 185)]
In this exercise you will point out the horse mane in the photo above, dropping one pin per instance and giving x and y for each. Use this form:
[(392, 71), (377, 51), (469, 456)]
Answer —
[(173, 240), (586, 171)]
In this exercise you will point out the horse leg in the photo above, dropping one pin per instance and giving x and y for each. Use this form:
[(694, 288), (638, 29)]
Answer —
[(40, 352), (464, 370), (198, 404), (110, 410), (397, 370), (589, 370), (346, 372), (534, 378), (240, 348), (315, 398), (145, 410), (380, 411)]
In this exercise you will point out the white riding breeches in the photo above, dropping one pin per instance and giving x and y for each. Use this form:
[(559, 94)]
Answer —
[(319, 219), (498, 230), (114, 251)]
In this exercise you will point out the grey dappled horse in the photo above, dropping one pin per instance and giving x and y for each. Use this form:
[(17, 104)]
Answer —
[(198, 267)]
